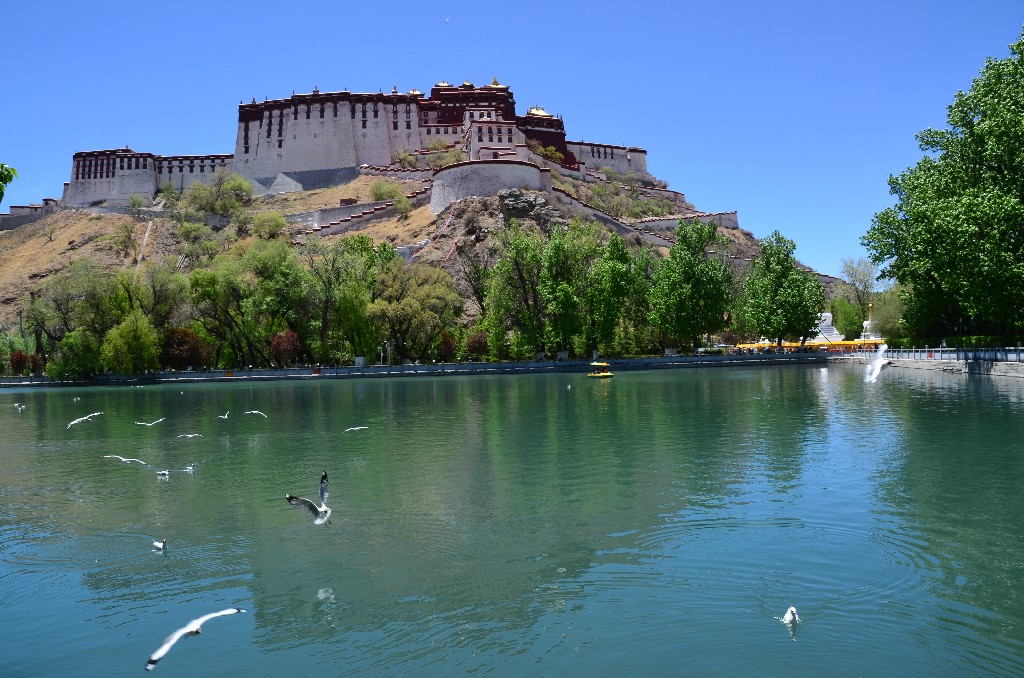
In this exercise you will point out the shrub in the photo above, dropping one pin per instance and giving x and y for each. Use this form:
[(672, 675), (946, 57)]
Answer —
[(269, 225), (449, 345), (403, 207), (285, 348), (386, 190), (403, 158), (476, 345), (19, 361), (182, 348)]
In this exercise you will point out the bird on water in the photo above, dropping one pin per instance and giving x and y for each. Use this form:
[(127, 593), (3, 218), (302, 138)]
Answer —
[(791, 616)]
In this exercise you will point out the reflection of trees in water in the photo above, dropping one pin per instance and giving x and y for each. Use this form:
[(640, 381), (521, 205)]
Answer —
[(949, 469)]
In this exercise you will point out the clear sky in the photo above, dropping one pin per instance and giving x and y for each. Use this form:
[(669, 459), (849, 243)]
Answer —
[(793, 114)]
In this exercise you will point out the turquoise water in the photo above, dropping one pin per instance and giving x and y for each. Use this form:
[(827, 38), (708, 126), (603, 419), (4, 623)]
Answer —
[(656, 523)]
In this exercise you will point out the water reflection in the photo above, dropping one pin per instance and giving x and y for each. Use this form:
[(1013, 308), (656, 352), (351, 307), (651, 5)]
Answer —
[(514, 525)]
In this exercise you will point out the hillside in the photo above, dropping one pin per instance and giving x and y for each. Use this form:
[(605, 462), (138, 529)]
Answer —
[(33, 253)]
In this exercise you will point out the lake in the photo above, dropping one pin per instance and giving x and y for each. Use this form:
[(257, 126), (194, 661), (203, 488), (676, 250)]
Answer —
[(655, 523)]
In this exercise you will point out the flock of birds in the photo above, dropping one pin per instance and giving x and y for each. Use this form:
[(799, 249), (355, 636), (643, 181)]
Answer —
[(321, 514)]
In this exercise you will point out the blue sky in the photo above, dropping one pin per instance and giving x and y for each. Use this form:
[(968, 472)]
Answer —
[(792, 114)]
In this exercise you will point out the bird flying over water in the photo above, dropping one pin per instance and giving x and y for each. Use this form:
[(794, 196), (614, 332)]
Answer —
[(142, 423), (791, 616), (125, 460), (87, 417), (321, 513), (256, 412), (193, 628), (355, 428), (224, 416), (191, 435)]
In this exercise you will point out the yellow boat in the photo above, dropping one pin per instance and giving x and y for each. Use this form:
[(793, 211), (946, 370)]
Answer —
[(599, 371)]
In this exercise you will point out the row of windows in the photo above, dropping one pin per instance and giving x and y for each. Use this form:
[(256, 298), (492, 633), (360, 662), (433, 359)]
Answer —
[(191, 169), (455, 130), (596, 152), (490, 137)]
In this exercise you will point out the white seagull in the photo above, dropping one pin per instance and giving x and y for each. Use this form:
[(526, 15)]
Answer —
[(125, 460), (193, 628), (224, 416), (190, 468), (163, 475), (87, 417), (321, 513), (355, 428), (159, 545), (191, 435), (791, 616), (142, 423), (257, 412)]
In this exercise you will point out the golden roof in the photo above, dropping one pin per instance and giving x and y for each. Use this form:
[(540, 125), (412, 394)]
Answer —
[(538, 111)]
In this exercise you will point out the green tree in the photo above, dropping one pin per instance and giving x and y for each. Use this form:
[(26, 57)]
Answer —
[(183, 348), (77, 357), (846, 317), (567, 257), (413, 303), (954, 239), (7, 175), (514, 302), (780, 301), (132, 347), (269, 225), (691, 292)]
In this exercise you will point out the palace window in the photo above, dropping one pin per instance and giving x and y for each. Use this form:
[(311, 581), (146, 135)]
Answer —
[(307, 111), (394, 111), (394, 124), (428, 130), (364, 124), (295, 112), (375, 110), (145, 163), (122, 163), (321, 110), (335, 109), (364, 112), (509, 132), (137, 161), (480, 138), (408, 124), (280, 143), (245, 150)]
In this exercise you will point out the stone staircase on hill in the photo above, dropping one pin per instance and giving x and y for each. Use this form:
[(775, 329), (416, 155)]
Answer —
[(359, 218)]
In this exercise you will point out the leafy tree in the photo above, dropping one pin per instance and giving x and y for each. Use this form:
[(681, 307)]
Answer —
[(132, 347), (182, 348), (135, 204), (780, 301), (846, 317), (124, 239), (954, 239), (691, 293), (403, 158), (514, 302), (7, 175), (403, 206), (77, 357), (269, 225), (224, 195), (473, 271), (413, 303), (568, 256), (888, 313), (285, 348)]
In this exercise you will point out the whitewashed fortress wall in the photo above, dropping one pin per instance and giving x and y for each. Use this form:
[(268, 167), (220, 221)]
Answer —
[(322, 138), (485, 177)]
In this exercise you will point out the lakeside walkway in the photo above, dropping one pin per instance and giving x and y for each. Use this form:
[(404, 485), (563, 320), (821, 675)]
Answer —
[(431, 370)]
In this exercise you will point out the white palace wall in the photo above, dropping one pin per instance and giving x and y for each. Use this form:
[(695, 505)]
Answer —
[(622, 159), (484, 178)]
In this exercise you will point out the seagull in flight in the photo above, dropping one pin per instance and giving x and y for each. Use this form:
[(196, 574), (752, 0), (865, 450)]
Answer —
[(142, 423), (355, 428), (321, 513), (163, 475), (191, 435), (193, 628), (257, 412), (125, 460), (791, 616), (224, 416), (87, 417)]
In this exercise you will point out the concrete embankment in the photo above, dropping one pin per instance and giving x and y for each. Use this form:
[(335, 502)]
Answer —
[(431, 370), (990, 368)]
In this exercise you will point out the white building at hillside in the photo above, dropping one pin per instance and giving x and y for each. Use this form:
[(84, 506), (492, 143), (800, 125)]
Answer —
[(322, 138)]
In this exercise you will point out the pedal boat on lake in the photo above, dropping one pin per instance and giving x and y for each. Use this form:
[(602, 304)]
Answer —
[(599, 371)]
